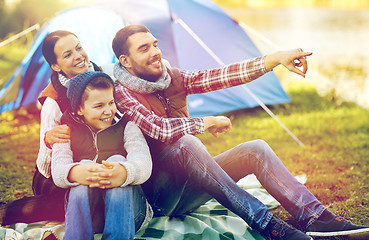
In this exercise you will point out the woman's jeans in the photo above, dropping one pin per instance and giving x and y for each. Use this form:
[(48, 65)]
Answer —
[(185, 176)]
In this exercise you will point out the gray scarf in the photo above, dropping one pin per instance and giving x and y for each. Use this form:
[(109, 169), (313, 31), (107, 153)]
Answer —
[(138, 84)]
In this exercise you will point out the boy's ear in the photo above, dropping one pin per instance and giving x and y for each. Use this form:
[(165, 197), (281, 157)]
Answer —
[(80, 111), (123, 59), (55, 67)]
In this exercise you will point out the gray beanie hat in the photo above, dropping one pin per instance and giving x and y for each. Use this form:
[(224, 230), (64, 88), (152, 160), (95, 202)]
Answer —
[(77, 86)]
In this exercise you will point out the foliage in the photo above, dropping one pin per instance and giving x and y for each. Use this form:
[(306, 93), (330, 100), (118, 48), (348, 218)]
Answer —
[(26, 13)]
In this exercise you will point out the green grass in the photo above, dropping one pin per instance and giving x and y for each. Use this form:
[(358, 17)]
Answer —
[(19, 142)]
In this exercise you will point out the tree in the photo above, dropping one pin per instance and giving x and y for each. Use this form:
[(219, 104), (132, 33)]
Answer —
[(27, 13)]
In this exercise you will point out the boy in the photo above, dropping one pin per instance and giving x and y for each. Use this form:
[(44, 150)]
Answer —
[(113, 150)]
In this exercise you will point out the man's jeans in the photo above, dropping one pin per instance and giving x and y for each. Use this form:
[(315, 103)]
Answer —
[(185, 176)]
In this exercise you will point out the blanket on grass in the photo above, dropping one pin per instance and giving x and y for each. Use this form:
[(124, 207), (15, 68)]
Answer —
[(211, 221)]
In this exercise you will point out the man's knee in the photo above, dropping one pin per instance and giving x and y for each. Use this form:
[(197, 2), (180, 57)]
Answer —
[(256, 147), (190, 142)]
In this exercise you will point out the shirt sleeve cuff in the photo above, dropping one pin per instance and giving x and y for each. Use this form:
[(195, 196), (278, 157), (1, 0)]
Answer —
[(262, 64), (129, 170), (201, 125)]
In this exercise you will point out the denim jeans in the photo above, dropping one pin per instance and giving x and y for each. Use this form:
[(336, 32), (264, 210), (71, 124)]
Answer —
[(119, 219), (185, 176), (116, 212)]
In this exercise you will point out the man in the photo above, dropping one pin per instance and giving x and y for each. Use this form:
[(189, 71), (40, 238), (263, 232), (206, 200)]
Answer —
[(185, 175)]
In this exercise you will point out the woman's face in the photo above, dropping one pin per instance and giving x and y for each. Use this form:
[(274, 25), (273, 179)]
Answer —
[(71, 58)]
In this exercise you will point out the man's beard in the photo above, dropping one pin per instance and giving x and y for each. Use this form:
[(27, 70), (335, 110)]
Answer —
[(149, 77)]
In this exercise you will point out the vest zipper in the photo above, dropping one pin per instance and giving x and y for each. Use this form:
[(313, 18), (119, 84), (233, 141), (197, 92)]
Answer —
[(164, 101), (94, 137)]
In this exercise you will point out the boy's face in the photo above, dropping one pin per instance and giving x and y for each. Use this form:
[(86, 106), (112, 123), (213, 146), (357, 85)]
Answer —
[(99, 108)]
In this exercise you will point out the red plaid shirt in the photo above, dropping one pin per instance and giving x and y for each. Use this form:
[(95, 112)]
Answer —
[(170, 129)]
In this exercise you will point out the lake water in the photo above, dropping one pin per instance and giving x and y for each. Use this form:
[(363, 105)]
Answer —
[(339, 40)]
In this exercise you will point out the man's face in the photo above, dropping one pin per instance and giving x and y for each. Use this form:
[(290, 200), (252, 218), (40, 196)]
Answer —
[(144, 59)]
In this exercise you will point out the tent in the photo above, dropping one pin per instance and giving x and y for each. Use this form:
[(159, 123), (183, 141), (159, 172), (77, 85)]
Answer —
[(192, 34)]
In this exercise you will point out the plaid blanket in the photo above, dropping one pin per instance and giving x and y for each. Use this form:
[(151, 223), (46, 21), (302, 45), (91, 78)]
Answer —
[(211, 221)]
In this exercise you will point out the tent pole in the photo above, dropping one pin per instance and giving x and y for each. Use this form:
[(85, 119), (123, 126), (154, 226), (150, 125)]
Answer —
[(18, 35), (219, 61)]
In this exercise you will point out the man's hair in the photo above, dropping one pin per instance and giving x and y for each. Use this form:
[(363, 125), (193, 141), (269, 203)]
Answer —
[(49, 44), (120, 46), (96, 83)]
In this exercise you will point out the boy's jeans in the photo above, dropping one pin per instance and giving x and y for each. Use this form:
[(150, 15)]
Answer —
[(117, 212), (185, 176), (119, 219)]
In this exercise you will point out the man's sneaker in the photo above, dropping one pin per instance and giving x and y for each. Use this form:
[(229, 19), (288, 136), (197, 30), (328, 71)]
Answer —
[(337, 227), (278, 230)]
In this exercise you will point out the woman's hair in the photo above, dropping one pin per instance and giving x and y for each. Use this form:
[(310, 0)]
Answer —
[(120, 40), (96, 83), (49, 44)]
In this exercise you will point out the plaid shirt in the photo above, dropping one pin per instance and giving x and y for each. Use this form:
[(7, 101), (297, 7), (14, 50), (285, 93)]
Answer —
[(170, 129)]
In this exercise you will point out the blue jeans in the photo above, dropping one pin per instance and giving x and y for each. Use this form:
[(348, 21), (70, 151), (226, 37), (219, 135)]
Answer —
[(124, 208), (185, 176), (116, 212)]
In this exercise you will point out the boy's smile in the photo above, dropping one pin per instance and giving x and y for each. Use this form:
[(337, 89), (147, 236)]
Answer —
[(99, 108)]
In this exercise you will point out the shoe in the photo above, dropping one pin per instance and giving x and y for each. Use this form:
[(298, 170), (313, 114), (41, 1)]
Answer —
[(278, 230), (337, 227)]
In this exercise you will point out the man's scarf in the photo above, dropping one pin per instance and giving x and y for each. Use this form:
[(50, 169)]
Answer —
[(138, 84)]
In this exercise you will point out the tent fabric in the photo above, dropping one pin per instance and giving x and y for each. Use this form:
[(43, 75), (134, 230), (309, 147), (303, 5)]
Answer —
[(97, 24)]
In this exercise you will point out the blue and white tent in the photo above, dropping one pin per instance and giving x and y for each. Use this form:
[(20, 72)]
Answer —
[(192, 34)]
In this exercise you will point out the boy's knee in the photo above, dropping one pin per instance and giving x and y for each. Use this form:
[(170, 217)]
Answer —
[(116, 158), (86, 161), (78, 192)]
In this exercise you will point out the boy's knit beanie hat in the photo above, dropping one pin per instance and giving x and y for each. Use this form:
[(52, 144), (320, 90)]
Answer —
[(77, 86)]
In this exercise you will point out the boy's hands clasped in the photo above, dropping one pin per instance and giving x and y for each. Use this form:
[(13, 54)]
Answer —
[(96, 175)]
